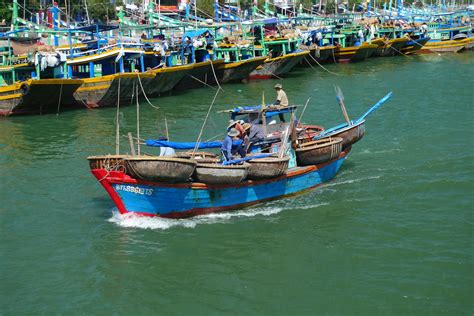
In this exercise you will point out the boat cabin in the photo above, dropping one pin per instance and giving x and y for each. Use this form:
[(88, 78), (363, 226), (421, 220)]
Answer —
[(274, 120)]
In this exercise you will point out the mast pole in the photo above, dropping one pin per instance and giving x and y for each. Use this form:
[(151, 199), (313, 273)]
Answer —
[(87, 13)]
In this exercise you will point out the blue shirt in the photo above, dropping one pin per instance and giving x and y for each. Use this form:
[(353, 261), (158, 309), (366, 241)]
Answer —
[(229, 146)]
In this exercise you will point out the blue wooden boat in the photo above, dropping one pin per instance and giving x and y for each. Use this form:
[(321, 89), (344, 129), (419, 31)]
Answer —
[(186, 199), (189, 199)]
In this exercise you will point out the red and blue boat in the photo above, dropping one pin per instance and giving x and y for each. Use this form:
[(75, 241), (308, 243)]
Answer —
[(186, 198)]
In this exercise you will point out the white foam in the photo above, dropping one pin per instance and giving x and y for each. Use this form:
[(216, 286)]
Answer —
[(137, 221), (331, 184), (380, 152)]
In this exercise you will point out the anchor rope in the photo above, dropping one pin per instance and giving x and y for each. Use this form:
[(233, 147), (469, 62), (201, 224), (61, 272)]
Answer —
[(215, 76), (322, 66), (204, 123), (263, 66), (391, 46), (117, 121), (426, 48), (144, 94), (60, 96), (201, 81)]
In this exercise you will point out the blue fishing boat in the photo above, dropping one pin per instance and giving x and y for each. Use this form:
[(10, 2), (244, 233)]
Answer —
[(189, 198)]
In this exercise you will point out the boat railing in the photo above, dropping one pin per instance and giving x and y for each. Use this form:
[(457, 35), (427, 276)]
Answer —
[(106, 49)]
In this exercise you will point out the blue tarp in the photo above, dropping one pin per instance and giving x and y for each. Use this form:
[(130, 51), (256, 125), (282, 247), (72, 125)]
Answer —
[(194, 33), (187, 145), (236, 161)]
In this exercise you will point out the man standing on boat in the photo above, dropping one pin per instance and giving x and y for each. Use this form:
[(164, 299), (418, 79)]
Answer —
[(232, 144), (282, 99)]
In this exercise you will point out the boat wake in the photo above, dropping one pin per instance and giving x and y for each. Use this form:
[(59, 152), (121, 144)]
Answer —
[(136, 221), (337, 183)]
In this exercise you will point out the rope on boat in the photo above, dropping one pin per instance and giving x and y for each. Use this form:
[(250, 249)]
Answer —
[(263, 66), (204, 124), (322, 65), (333, 55), (60, 96), (109, 168), (201, 81), (396, 50), (117, 122), (138, 123), (144, 94), (215, 76), (214, 137), (133, 92), (426, 48), (309, 64)]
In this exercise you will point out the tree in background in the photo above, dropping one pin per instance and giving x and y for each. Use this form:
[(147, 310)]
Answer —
[(5, 11)]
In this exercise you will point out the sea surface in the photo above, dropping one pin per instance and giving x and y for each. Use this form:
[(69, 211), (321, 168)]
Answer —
[(392, 234)]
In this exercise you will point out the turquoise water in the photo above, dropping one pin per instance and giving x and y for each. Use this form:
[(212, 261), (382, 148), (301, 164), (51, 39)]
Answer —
[(392, 234)]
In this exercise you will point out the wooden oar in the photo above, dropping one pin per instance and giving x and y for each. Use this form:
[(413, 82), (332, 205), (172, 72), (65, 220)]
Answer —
[(340, 100)]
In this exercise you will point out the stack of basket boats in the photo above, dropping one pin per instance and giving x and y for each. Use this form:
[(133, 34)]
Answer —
[(206, 168)]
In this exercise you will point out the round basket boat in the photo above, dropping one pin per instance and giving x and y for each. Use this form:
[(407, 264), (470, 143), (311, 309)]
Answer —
[(351, 135), (268, 167), (308, 132), (199, 157), (108, 162), (211, 173), (318, 151), (196, 155), (161, 169)]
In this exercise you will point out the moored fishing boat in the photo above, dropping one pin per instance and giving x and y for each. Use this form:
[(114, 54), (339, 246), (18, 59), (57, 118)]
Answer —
[(414, 44), (239, 70), (447, 38), (38, 96), (391, 47), (103, 91), (349, 49), (202, 73), (445, 46), (324, 54), (35, 84), (355, 53), (278, 66), (166, 78)]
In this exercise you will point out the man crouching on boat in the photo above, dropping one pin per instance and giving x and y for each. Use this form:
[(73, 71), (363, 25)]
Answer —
[(232, 144)]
